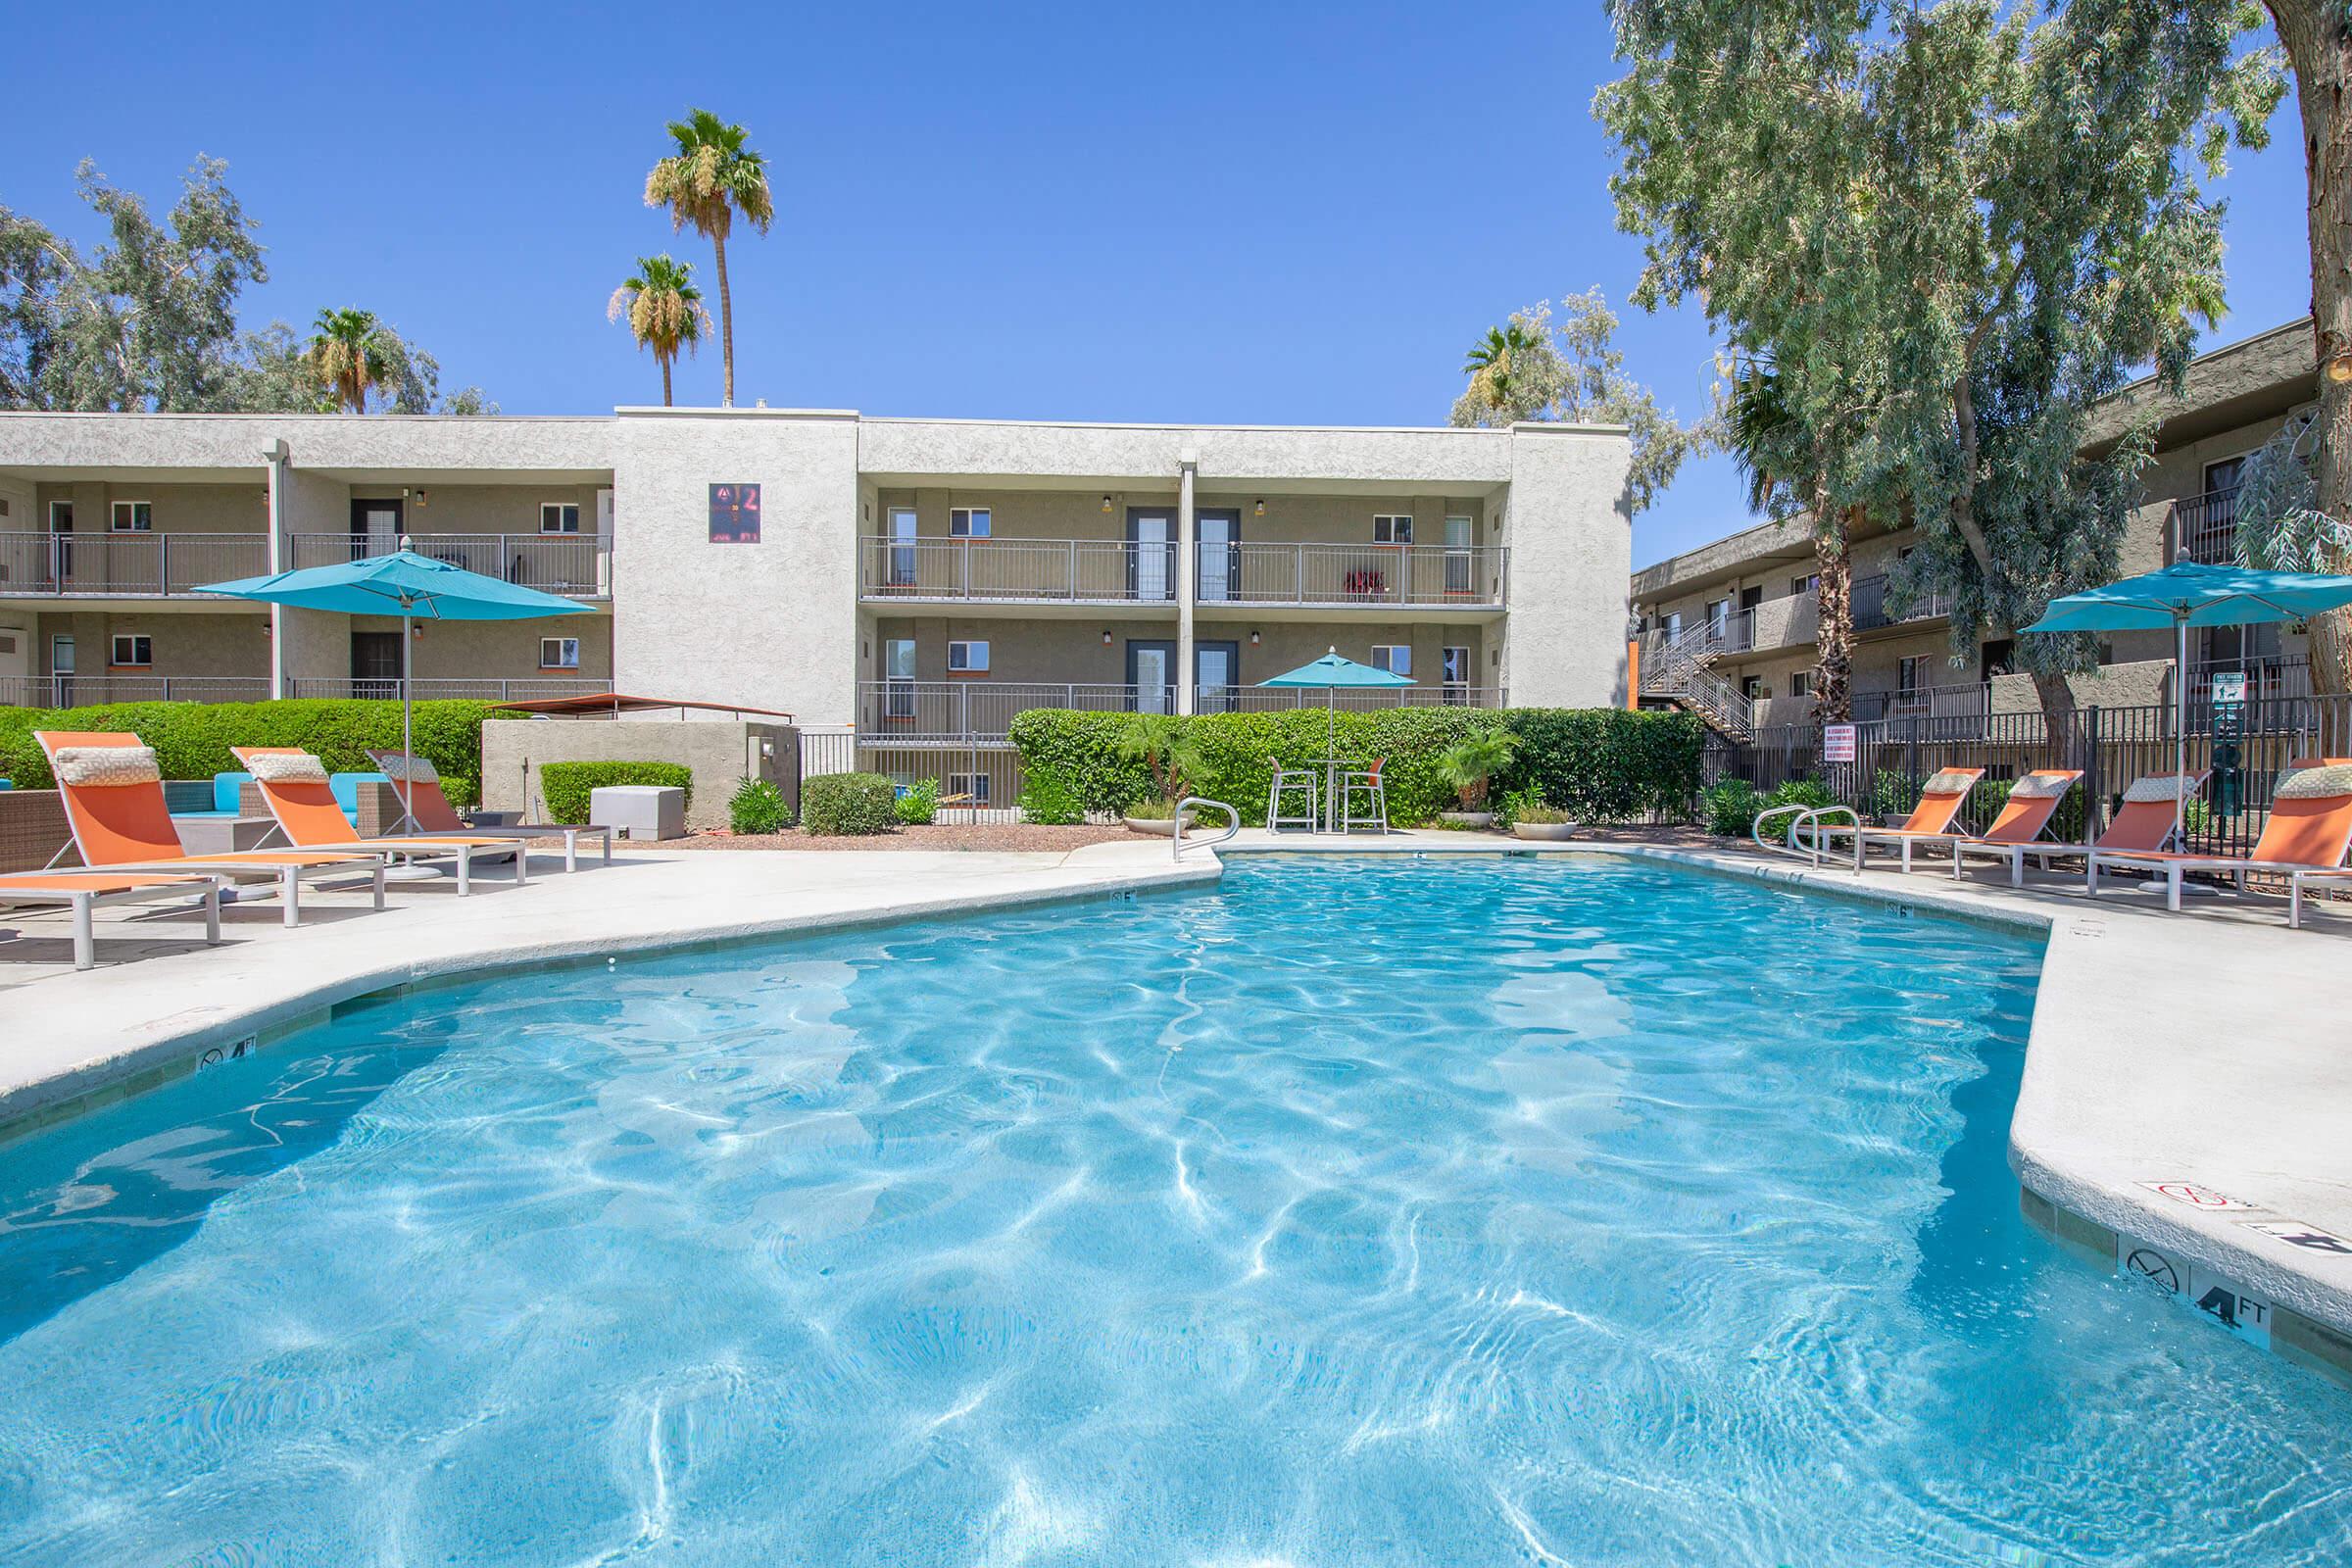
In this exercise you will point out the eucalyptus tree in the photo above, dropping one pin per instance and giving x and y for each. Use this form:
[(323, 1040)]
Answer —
[(1568, 370), (1778, 457), (1951, 228), (663, 309), (712, 178)]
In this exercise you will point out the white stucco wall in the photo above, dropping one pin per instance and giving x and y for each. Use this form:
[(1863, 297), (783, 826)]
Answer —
[(1571, 543)]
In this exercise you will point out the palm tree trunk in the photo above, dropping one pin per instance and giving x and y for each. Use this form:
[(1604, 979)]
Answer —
[(726, 323), (665, 380), (1834, 616), (2318, 47)]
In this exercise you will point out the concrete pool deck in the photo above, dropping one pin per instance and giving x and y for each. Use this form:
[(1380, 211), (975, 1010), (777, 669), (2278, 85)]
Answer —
[(2185, 1111)]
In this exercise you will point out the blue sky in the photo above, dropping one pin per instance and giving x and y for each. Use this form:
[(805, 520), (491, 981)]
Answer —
[(1240, 214)]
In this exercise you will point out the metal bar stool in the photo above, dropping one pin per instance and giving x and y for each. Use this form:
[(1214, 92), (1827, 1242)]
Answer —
[(1291, 780), (1376, 795)]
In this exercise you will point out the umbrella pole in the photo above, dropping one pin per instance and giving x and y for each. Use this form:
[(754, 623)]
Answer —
[(2180, 734), (408, 687)]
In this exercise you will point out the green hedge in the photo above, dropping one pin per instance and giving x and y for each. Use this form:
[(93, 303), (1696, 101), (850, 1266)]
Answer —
[(854, 804), (192, 740), (1600, 764), (567, 785)]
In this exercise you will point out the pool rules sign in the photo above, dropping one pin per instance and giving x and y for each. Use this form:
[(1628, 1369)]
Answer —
[(1836, 743)]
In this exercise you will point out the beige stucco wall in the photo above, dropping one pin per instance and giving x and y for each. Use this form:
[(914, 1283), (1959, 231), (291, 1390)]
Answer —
[(720, 751), (182, 644), (1571, 548)]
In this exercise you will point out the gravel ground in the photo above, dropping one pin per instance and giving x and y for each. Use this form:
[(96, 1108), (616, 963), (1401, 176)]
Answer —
[(1001, 837)]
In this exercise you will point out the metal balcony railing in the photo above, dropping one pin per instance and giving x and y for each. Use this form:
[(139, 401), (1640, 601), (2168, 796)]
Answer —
[(487, 689), (1276, 699), (1042, 571), (892, 711), (2205, 527), (126, 565), (574, 565), (1876, 607), (1425, 576), (84, 691)]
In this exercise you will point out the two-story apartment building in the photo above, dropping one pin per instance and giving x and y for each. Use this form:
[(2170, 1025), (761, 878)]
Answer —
[(1741, 610), (921, 580)]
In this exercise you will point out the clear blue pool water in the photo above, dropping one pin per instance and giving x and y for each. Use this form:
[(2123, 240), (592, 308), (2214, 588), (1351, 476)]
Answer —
[(1428, 1212)]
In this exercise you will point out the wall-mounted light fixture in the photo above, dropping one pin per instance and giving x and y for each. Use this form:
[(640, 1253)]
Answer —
[(1106, 636), (1107, 503), (423, 500), (1261, 507), (1253, 639)]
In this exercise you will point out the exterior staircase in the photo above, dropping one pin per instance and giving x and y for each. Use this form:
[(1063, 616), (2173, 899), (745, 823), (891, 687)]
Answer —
[(1678, 671)]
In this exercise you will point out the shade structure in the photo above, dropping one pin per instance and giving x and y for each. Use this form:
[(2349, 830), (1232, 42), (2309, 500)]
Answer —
[(407, 584), (1331, 672), (2186, 594)]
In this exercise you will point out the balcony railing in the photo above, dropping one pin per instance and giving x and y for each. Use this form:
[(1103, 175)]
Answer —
[(487, 689), (2205, 527), (84, 691), (1875, 607), (1424, 576), (155, 566), (1020, 570), (575, 565), (1274, 699), (933, 709)]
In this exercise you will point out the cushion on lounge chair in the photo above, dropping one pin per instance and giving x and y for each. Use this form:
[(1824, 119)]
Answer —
[(2158, 787), (2040, 787), (1951, 781), (413, 769), (94, 768), (2315, 784), (287, 768)]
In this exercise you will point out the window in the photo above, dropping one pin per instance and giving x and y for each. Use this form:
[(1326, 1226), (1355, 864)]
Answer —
[(2224, 476), (559, 652), (1801, 683), (1719, 617), (1751, 687), (559, 516), (1906, 675), (898, 673), (1674, 624), (132, 652), (900, 572), (1454, 665), (967, 659), (132, 517), (1394, 657), (1808, 583), (1391, 530), (61, 516), (968, 522), (967, 789)]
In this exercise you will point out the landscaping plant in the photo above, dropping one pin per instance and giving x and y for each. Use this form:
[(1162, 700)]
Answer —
[(1471, 762), (192, 740), (569, 786), (1047, 801), (758, 807), (848, 805), (1165, 745), (918, 803)]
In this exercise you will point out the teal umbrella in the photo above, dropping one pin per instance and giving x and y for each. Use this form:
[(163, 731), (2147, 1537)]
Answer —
[(415, 585), (2186, 594), (1331, 672)]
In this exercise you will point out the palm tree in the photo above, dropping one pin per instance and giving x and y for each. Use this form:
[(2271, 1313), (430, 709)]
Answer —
[(1773, 454), (710, 179), (1489, 361), (1166, 746), (1469, 764), (348, 355), (664, 311)]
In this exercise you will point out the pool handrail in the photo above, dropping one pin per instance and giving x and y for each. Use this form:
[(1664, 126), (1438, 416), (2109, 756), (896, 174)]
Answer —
[(1176, 826), (1801, 816)]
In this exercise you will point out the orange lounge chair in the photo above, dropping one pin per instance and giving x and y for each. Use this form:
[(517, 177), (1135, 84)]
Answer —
[(1930, 822), (121, 821), (85, 891), (2308, 831), (2145, 821), (418, 779), (293, 785), (2033, 801)]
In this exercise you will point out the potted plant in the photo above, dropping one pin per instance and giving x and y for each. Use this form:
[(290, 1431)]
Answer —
[(1163, 744), (1534, 817), (1469, 765)]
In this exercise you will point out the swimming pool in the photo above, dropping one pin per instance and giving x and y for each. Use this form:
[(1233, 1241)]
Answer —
[(1599, 1213)]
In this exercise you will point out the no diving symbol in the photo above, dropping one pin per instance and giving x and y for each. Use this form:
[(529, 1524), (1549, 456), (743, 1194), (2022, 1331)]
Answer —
[(2154, 1268)]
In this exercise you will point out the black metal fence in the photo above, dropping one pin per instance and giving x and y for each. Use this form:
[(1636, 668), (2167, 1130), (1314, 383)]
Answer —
[(2112, 746), (978, 779)]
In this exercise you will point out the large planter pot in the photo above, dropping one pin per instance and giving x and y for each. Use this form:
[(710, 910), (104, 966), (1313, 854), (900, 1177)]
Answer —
[(1480, 819), (1158, 826), (1551, 832)]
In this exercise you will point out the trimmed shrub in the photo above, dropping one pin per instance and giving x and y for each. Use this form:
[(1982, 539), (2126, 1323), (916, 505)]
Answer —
[(567, 785), (1603, 765), (918, 803), (192, 740), (1730, 807), (853, 804), (758, 807), (1047, 801)]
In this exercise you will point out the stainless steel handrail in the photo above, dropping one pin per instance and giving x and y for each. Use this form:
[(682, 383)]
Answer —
[(1800, 817), (1176, 826)]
